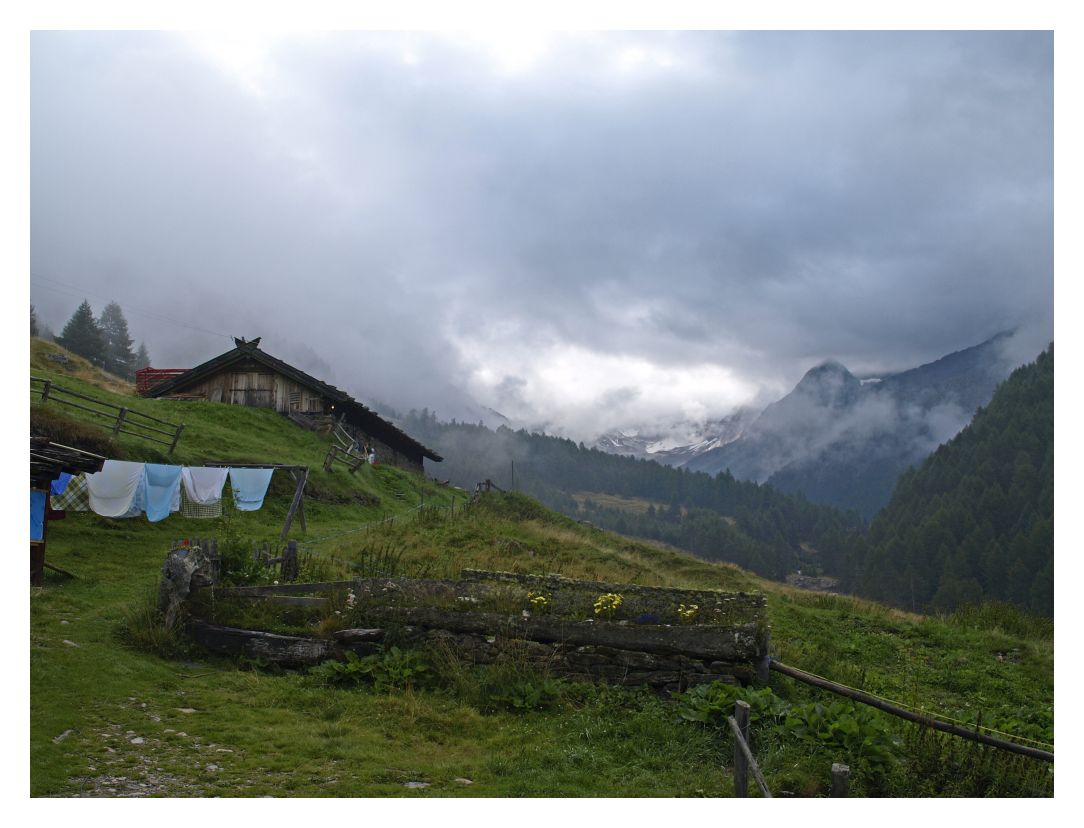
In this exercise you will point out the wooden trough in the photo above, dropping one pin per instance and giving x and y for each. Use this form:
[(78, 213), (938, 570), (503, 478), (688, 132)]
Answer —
[(485, 616)]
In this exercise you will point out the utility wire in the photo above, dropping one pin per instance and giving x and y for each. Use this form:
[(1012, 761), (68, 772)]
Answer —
[(74, 290), (361, 528)]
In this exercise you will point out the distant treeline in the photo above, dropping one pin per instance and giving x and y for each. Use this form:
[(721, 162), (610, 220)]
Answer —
[(718, 518)]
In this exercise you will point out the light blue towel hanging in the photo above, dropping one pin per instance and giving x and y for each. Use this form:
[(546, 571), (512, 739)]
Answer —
[(249, 487), (163, 491)]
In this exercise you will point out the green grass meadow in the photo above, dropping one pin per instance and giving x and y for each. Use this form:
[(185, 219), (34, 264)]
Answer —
[(121, 707)]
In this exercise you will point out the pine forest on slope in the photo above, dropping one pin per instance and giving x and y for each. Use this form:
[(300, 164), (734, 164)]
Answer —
[(975, 521)]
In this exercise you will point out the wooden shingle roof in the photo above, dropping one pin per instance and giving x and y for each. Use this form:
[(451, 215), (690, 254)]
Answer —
[(363, 416)]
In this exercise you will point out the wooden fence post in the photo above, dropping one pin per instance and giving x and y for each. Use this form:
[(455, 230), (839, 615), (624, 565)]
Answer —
[(176, 437), (302, 477), (841, 775), (120, 421), (741, 766), (45, 390), (289, 569)]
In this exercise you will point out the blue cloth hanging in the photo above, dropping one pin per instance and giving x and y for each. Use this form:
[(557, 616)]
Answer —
[(163, 494), (37, 514), (249, 487), (60, 485)]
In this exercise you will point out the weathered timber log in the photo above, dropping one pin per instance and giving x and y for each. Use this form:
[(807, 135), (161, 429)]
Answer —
[(736, 643), (559, 582), (928, 721), (289, 600), (355, 635), (283, 589), (567, 599), (286, 650)]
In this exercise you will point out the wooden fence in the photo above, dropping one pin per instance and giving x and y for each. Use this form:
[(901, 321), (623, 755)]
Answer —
[(924, 719), (745, 763), (120, 419)]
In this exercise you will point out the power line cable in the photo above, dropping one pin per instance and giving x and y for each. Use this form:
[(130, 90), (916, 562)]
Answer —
[(64, 287)]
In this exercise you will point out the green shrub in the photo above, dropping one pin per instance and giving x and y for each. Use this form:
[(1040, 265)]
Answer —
[(856, 731), (393, 669), (525, 693), (710, 704)]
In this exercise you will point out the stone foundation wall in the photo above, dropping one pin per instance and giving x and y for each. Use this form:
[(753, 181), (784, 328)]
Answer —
[(662, 673)]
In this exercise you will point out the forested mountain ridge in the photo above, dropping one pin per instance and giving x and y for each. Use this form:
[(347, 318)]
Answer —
[(975, 521), (717, 518), (843, 443)]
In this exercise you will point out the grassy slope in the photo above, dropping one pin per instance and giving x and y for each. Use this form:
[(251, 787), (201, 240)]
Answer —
[(256, 733)]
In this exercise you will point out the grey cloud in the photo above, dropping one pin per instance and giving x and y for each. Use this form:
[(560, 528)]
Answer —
[(771, 200)]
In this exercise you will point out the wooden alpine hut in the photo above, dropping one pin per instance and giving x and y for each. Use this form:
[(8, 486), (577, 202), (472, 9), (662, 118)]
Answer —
[(248, 376)]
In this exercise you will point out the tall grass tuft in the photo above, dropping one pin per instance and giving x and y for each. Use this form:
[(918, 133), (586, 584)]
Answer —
[(942, 765), (144, 628), (1000, 615)]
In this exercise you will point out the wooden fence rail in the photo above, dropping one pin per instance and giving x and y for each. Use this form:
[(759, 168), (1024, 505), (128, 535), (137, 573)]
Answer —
[(923, 719), (121, 420)]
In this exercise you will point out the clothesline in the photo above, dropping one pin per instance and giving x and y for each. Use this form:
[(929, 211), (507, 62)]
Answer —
[(124, 489)]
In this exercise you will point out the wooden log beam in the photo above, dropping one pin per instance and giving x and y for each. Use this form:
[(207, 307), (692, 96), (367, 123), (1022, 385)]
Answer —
[(286, 650), (55, 568), (282, 589), (701, 596), (928, 721), (729, 644)]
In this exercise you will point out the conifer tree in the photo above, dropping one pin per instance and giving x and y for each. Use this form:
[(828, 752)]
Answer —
[(82, 336), (33, 322), (119, 358), (142, 358)]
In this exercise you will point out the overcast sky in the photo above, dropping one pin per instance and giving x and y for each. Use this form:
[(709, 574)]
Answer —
[(584, 231)]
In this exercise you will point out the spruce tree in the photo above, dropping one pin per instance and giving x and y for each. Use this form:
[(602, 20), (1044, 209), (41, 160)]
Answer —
[(119, 358), (82, 336), (142, 358), (33, 322)]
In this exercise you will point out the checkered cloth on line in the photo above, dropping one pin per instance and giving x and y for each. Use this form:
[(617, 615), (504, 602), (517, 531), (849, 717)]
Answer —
[(76, 497), (191, 509)]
